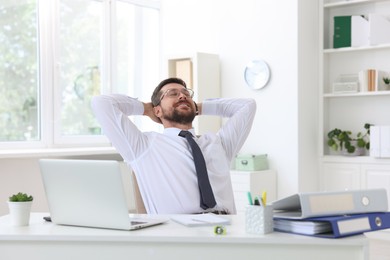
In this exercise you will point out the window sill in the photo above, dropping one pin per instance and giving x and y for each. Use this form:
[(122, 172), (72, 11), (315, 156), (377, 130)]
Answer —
[(57, 152)]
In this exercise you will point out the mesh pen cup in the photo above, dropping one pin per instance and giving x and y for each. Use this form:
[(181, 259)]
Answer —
[(259, 220)]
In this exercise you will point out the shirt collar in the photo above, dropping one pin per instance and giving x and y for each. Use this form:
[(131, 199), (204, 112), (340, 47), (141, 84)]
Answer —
[(173, 131)]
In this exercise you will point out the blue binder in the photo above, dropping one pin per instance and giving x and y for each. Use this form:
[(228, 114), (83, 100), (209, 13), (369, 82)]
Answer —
[(334, 226)]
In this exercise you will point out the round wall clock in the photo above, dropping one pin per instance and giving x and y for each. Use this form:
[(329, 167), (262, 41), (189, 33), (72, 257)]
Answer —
[(257, 74)]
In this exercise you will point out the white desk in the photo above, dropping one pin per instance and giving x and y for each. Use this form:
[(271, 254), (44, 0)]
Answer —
[(379, 244), (42, 240)]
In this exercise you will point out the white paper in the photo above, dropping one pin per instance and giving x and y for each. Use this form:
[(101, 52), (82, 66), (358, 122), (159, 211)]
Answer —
[(200, 219)]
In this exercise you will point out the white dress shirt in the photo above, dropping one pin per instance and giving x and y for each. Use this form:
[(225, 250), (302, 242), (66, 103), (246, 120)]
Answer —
[(163, 162)]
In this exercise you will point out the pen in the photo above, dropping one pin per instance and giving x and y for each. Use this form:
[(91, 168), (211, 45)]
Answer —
[(264, 198), (261, 203), (256, 201), (249, 198)]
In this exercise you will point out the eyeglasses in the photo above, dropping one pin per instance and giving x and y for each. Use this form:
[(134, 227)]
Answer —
[(174, 93)]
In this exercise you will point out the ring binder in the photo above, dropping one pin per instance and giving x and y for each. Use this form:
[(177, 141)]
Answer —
[(320, 204)]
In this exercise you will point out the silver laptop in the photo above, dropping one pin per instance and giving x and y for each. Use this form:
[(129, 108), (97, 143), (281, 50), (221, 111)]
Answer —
[(89, 193)]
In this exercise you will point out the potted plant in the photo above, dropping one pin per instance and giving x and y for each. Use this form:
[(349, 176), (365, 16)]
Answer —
[(386, 80), (349, 144), (19, 208)]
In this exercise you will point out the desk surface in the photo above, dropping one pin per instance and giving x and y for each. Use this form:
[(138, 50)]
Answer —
[(170, 231), (172, 234)]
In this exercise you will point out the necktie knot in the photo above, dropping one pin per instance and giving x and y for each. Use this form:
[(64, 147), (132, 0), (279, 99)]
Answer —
[(184, 133)]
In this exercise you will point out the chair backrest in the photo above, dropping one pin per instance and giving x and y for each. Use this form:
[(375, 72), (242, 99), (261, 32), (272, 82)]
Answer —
[(139, 203)]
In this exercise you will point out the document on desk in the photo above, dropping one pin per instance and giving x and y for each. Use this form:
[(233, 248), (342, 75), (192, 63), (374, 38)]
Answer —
[(194, 220)]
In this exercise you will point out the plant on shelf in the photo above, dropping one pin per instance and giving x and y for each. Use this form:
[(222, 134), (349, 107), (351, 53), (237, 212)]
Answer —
[(386, 80), (344, 140), (20, 197)]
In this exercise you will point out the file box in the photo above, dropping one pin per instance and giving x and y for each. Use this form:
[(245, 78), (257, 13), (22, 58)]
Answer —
[(249, 162)]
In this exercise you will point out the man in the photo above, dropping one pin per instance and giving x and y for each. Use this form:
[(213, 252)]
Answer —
[(163, 162)]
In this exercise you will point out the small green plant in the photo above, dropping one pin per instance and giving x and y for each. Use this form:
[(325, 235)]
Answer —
[(386, 80), (20, 197), (340, 139)]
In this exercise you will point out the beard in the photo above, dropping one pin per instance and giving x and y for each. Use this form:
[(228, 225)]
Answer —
[(181, 117)]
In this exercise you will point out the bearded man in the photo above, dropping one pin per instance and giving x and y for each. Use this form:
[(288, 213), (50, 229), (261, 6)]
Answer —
[(164, 162)]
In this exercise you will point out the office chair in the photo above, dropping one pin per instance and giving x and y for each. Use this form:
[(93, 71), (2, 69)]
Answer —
[(139, 203)]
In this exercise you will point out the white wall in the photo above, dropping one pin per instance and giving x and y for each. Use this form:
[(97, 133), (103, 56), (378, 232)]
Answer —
[(283, 33), (239, 31)]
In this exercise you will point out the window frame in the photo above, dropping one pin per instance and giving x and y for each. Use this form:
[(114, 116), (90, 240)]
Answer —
[(49, 94)]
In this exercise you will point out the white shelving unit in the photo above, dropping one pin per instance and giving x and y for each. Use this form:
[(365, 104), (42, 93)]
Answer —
[(351, 111), (201, 72)]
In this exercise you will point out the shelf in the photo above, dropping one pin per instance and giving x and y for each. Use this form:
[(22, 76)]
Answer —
[(359, 94), (354, 49), (354, 159), (350, 3)]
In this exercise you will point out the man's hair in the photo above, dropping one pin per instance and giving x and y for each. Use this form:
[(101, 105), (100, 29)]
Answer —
[(156, 96)]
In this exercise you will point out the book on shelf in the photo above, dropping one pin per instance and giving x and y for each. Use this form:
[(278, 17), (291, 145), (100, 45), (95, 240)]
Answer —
[(360, 30), (372, 80), (379, 27), (342, 31), (380, 141)]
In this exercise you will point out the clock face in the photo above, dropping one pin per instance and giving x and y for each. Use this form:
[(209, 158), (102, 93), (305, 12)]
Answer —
[(257, 74)]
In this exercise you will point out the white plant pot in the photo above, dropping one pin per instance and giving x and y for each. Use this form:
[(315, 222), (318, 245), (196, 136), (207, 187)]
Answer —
[(20, 212)]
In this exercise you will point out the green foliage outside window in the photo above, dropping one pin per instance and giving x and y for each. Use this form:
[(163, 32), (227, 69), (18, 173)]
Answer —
[(18, 71)]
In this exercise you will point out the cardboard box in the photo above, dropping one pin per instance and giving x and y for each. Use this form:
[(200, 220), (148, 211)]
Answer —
[(250, 162)]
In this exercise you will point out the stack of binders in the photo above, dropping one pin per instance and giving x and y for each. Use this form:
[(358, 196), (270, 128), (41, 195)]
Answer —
[(332, 214), (360, 30)]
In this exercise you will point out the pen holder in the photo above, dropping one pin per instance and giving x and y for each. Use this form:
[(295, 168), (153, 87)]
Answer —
[(259, 219)]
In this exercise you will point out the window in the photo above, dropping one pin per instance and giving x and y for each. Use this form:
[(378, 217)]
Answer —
[(19, 68), (57, 54)]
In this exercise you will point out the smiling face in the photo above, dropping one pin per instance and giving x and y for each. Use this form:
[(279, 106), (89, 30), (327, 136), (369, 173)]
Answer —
[(176, 106)]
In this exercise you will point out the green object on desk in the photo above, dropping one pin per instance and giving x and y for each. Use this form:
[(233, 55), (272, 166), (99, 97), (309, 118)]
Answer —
[(219, 230)]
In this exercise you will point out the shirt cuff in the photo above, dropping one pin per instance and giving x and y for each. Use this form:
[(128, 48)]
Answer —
[(209, 106), (138, 106)]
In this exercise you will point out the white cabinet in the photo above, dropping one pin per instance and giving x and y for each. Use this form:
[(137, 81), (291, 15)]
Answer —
[(201, 72), (350, 111), (340, 176), (254, 181), (348, 175), (376, 176)]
